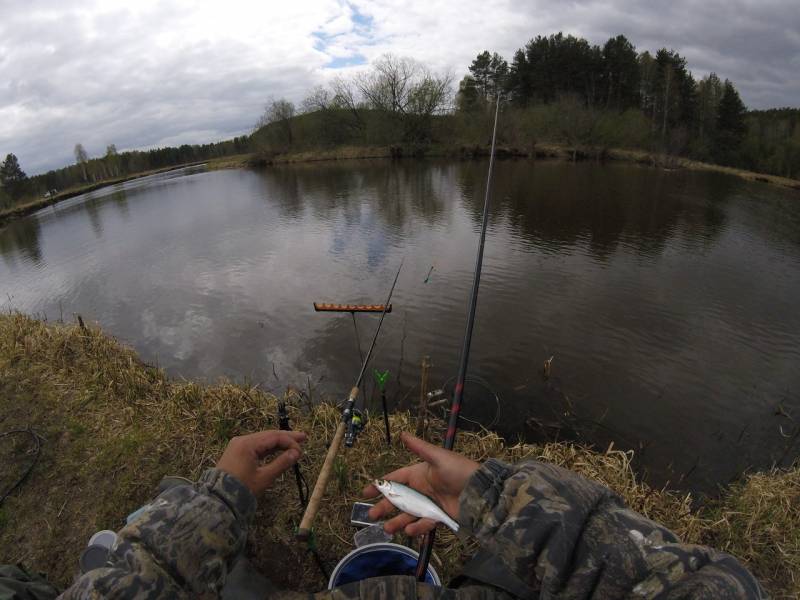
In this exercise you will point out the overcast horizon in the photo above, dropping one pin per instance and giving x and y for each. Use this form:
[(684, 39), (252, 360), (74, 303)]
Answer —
[(167, 73)]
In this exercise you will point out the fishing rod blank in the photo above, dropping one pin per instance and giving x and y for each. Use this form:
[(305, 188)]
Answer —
[(344, 426), (458, 392)]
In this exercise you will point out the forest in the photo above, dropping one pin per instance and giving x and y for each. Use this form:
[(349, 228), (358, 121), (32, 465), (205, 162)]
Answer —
[(557, 89)]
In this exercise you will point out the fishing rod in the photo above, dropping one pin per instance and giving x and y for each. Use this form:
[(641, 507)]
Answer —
[(458, 391), (346, 430)]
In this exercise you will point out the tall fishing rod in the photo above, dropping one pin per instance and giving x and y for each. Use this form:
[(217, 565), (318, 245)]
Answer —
[(458, 391), (346, 430)]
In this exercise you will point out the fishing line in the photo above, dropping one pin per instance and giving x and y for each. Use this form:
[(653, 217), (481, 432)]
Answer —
[(37, 451), (358, 339), (477, 379)]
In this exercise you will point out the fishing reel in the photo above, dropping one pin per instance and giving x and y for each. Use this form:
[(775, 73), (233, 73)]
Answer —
[(356, 421), (283, 417)]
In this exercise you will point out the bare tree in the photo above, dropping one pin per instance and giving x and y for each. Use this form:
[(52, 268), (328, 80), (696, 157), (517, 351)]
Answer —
[(346, 97), (431, 95), (81, 157), (319, 99), (276, 111), (278, 114), (111, 160), (80, 154), (387, 86)]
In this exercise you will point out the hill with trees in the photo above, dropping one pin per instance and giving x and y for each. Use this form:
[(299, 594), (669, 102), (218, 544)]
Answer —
[(559, 89)]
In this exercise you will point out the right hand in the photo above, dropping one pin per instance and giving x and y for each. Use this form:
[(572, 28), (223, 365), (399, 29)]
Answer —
[(243, 458), (442, 477)]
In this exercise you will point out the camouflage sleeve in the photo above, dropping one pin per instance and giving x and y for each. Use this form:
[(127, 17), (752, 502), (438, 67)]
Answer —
[(181, 546), (569, 537)]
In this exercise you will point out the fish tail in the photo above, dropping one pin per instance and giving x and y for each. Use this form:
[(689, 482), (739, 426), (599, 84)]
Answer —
[(450, 523)]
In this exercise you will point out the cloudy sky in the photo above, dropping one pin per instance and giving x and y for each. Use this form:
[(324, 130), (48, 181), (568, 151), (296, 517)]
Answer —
[(151, 73)]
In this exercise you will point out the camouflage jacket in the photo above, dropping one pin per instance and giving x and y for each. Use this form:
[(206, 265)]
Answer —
[(548, 533)]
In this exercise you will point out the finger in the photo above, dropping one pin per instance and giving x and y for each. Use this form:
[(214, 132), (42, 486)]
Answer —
[(268, 473), (265, 441), (408, 475), (428, 452), (420, 527), (381, 509), (369, 492), (401, 521)]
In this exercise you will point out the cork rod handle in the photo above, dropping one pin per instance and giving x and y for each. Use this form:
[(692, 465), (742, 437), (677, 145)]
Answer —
[(304, 531)]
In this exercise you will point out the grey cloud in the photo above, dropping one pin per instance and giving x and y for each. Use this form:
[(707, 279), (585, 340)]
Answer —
[(140, 77)]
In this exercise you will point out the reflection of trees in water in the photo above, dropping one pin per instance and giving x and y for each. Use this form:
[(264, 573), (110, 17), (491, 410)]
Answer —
[(395, 191), (120, 199), (773, 212), (92, 206), (21, 237), (562, 203)]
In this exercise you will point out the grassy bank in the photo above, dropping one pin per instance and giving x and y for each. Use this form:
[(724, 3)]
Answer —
[(542, 151), (111, 427)]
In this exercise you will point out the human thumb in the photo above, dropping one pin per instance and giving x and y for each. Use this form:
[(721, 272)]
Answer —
[(428, 452)]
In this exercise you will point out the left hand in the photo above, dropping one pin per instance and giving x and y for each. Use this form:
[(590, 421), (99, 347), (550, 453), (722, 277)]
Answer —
[(442, 477), (243, 455)]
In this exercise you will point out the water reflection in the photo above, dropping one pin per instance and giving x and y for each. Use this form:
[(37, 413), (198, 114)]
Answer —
[(92, 207), (120, 199), (21, 237), (666, 298)]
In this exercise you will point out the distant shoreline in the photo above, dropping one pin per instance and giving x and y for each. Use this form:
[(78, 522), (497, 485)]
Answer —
[(32, 206), (542, 151)]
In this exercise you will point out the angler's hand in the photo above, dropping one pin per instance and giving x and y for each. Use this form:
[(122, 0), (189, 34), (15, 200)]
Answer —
[(244, 454), (442, 477)]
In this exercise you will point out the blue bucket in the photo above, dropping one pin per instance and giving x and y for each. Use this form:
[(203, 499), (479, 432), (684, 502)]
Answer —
[(378, 560)]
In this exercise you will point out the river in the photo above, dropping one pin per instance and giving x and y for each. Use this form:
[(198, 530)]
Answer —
[(668, 300)]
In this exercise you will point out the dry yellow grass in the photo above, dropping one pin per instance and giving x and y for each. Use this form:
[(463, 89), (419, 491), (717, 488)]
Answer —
[(113, 426)]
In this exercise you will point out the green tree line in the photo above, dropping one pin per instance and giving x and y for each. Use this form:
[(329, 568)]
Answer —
[(16, 187), (559, 89)]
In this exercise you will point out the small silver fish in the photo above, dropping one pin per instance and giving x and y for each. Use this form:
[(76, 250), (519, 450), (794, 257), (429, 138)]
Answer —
[(412, 502)]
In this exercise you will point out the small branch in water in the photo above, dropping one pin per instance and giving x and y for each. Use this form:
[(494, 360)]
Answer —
[(547, 366)]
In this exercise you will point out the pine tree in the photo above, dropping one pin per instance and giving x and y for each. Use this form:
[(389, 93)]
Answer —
[(731, 126), (489, 73), (10, 171), (620, 73), (12, 177)]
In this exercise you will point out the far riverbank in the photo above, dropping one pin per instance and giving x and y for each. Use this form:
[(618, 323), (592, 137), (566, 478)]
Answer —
[(538, 152)]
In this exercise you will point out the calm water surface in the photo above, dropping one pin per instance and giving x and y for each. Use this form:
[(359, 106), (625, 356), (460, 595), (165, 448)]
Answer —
[(669, 301)]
